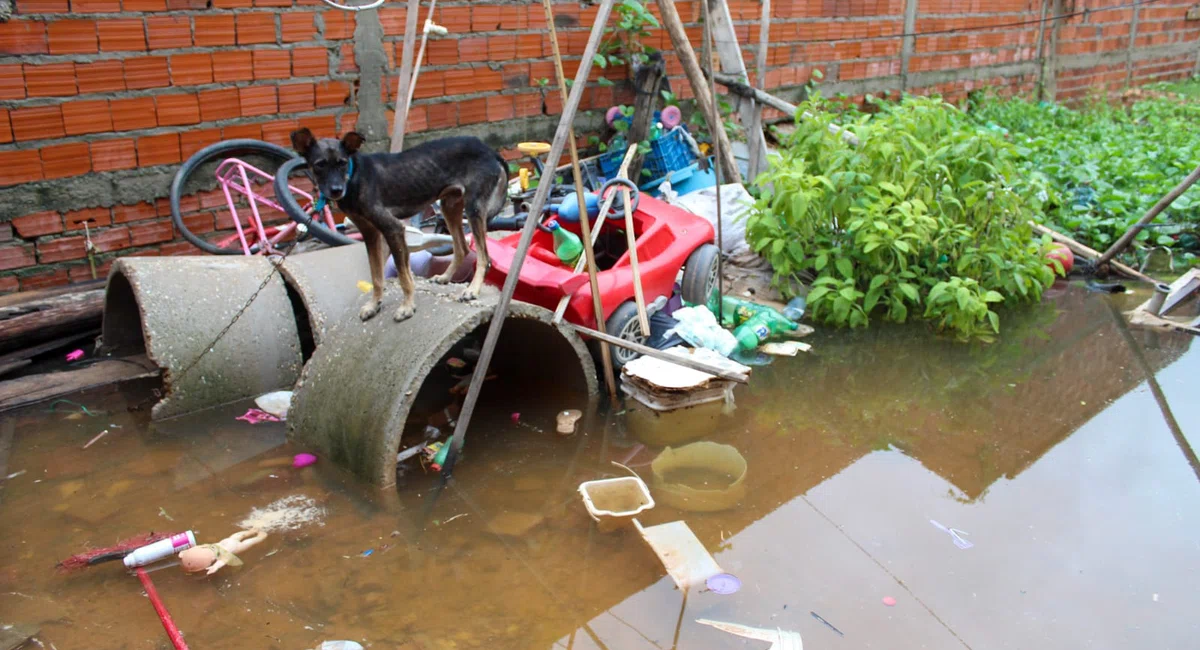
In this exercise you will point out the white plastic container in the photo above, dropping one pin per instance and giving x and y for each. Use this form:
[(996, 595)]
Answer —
[(159, 550), (612, 502)]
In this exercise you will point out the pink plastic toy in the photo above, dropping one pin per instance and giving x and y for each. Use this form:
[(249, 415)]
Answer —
[(75, 355), (254, 416), (303, 460)]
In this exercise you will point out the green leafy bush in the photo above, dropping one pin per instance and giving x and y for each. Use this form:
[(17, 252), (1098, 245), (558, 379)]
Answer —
[(927, 218), (1107, 165)]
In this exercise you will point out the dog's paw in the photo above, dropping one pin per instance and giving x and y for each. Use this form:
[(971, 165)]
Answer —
[(369, 310), (442, 278), (468, 295), (405, 312)]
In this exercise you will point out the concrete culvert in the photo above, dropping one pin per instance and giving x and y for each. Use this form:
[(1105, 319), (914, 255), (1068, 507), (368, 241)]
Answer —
[(358, 391)]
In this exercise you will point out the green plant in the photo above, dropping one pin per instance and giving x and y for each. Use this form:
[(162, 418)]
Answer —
[(624, 43), (927, 218)]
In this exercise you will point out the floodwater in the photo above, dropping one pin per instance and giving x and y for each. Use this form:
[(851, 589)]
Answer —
[(1049, 450)]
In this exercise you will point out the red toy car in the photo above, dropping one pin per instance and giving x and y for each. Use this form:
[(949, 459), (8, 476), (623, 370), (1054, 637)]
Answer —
[(668, 238)]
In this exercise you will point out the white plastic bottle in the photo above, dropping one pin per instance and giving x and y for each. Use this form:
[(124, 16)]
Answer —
[(163, 548)]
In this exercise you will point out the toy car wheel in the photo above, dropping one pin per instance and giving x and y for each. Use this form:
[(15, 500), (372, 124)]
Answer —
[(623, 324), (700, 277)]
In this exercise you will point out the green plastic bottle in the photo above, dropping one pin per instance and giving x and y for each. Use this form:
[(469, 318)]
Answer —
[(734, 311), (759, 328), (566, 243)]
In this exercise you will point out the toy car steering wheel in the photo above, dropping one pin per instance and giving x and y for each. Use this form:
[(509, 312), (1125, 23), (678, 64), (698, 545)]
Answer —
[(616, 212)]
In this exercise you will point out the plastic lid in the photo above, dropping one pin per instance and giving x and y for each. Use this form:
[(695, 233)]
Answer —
[(724, 584)]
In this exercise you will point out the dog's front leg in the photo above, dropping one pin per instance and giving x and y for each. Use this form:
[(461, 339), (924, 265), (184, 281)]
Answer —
[(375, 259)]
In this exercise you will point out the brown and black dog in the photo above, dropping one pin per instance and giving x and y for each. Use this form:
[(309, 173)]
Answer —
[(377, 191)]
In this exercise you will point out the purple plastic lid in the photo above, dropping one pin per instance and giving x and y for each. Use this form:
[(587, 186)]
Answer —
[(724, 584)]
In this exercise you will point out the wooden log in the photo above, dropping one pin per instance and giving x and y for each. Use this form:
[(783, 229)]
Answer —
[(736, 86), (659, 354), (649, 81), (39, 319), (729, 54), (400, 119), (20, 358), (24, 391), (1162, 204), (687, 56)]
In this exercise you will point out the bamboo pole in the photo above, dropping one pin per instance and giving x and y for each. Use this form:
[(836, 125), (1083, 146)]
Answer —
[(570, 107), (639, 297), (585, 228), (416, 73), (1162, 204), (400, 119)]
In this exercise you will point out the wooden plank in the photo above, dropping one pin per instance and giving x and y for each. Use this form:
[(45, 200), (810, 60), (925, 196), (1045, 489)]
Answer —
[(28, 353), (21, 326), (729, 52), (648, 82), (28, 297), (25, 391), (400, 119), (739, 87), (758, 146)]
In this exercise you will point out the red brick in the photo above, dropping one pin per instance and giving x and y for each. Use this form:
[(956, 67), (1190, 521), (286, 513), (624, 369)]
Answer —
[(392, 20), (158, 150), (232, 4), (473, 49), (136, 212), (272, 3), (9, 283), (61, 249), (50, 80), (81, 117), (296, 98), (222, 104), (191, 69), (251, 131), (26, 7), (15, 257), (338, 24), (38, 224), (272, 64), (255, 28), (23, 37), (472, 111), (37, 123), (214, 30), (529, 46), (177, 110), (349, 121), (528, 104), (146, 72), (346, 55), (44, 280), (111, 239), (133, 113), (179, 248), (147, 5), (233, 66), (151, 233), (100, 77), (72, 37), (199, 223), (257, 100), (83, 272), (64, 160), (122, 35), (279, 132), (441, 52), (310, 62), (20, 166), (500, 107), (504, 47), (93, 217), (194, 140), (96, 6), (169, 32), (6, 134), (431, 84), (332, 93), (485, 18), (12, 82), (322, 126), (111, 155), (455, 19), (297, 26), (460, 81)]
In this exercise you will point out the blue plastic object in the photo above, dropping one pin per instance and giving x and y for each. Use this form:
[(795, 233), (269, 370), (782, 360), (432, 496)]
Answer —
[(568, 209), (669, 153)]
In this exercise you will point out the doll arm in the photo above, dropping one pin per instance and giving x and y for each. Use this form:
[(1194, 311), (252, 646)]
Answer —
[(215, 566)]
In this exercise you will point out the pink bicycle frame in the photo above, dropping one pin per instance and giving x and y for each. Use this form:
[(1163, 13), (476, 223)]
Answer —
[(234, 175)]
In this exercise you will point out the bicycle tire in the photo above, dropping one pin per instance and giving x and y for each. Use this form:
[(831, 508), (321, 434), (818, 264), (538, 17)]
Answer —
[(283, 195), (224, 148)]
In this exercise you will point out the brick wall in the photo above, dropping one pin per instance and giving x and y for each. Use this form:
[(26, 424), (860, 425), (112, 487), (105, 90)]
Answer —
[(100, 100)]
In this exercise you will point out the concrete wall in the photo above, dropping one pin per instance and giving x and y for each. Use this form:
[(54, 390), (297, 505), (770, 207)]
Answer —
[(100, 100)]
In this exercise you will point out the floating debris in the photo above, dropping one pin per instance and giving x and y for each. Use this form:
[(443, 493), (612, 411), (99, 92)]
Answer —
[(289, 513)]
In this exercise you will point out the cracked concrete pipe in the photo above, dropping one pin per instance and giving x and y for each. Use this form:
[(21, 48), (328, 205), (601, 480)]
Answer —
[(356, 393), (326, 281), (168, 308)]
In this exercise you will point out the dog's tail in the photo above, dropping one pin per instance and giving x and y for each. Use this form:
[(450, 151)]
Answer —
[(499, 196)]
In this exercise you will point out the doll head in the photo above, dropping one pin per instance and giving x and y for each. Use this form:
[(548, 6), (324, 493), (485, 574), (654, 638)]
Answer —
[(197, 559)]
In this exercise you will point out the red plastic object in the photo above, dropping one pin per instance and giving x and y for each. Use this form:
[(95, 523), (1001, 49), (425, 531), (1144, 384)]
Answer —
[(666, 235), (163, 615), (1064, 255)]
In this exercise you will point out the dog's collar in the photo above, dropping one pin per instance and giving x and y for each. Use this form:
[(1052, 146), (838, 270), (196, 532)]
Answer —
[(322, 202)]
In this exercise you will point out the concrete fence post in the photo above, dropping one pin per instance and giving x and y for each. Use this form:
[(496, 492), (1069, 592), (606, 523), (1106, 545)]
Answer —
[(909, 44), (1133, 31)]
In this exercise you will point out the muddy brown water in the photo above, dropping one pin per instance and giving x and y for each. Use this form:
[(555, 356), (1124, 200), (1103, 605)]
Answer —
[(1048, 449)]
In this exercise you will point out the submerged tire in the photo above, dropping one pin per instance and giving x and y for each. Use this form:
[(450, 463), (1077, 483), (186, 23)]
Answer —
[(700, 274), (623, 324)]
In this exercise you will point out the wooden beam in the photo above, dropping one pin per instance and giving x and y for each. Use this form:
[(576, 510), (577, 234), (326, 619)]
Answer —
[(758, 145), (1090, 254), (737, 87), (729, 52), (1150, 215), (35, 321), (687, 56), (24, 391), (400, 118)]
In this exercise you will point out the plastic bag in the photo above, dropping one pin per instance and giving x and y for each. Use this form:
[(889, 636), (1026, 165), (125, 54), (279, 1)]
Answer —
[(699, 327)]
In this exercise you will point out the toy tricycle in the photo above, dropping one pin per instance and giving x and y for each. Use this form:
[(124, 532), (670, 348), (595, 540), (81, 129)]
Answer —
[(667, 239)]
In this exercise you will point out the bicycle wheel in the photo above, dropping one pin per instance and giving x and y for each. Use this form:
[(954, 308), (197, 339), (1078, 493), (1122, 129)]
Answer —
[(198, 173), (283, 195)]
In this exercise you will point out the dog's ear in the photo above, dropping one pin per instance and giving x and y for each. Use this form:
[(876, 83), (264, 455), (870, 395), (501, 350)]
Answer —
[(352, 141), (302, 141)]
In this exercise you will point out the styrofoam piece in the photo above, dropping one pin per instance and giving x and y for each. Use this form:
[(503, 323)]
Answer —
[(779, 639), (275, 403), (669, 376), (681, 553), (785, 348)]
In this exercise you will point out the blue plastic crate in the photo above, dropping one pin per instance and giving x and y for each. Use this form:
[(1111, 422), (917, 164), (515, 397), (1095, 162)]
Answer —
[(668, 153)]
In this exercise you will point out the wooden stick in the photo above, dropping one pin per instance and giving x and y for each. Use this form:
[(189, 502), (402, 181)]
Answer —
[(638, 297), (605, 206), (1090, 254), (758, 157), (736, 86), (585, 227), (687, 56), (412, 85), (1162, 204), (729, 56), (570, 107), (716, 117), (659, 354), (400, 119)]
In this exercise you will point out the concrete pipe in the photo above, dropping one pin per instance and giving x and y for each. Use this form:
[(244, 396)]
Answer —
[(326, 282), (357, 392), (170, 309)]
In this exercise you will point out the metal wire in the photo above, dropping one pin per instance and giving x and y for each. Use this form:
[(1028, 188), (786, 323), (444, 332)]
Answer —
[(373, 5)]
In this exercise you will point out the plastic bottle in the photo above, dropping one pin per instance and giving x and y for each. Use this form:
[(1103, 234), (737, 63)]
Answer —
[(735, 311), (761, 327), (161, 549), (566, 244), (439, 459), (795, 309)]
